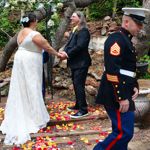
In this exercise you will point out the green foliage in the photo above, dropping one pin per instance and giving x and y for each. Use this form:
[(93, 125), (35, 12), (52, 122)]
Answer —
[(41, 27), (99, 10), (131, 3), (56, 18), (145, 76), (9, 25), (145, 58)]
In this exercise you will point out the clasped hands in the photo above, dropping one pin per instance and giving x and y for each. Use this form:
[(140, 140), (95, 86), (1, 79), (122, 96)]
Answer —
[(62, 55)]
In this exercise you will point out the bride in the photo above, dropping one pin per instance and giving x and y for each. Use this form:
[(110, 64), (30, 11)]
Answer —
[(25, 111)]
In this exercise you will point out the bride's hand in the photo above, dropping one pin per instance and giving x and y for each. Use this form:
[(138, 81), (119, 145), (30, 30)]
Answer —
[(63, 55)]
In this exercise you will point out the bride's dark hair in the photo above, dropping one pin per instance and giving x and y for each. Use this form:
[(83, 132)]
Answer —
[(27, 19)]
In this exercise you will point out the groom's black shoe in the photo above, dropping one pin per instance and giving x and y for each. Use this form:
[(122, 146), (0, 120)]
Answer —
[(72, 108), (79, 114)]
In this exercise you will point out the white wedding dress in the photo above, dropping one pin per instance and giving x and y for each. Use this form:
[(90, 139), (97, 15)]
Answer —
[(25, 110)]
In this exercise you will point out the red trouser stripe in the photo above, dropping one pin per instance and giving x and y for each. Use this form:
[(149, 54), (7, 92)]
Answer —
[(120, 132)]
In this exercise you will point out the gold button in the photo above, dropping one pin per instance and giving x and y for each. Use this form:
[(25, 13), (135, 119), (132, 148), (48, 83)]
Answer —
[(118, 92), (124, 82), (119, 98)]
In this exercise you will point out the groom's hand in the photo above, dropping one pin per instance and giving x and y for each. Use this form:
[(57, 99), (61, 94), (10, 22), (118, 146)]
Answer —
[(64, 55)]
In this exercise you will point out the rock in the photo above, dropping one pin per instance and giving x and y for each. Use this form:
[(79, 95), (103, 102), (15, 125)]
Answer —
[(60, 85), (56, 61), (62, 82), (103, 31), (97, 65), (91, 81), (90, 99), (138, 145), (7, 79), (4, 92), (106, 25), (113, 26), (91, 90), (100, 53), (95, 27), (63, 64), (97, 43), (142, 34), (65, 85), (3, 84), (96, 76), (107, 18), (58, 78), (136, 129), (71, 87)]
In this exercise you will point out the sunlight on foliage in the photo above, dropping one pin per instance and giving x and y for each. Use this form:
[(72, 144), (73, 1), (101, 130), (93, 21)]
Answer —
[(10, 12)]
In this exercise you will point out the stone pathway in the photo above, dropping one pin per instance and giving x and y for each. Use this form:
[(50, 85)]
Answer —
[(80, 134)]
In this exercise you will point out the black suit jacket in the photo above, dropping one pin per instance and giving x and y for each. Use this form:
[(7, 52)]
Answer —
[(77, 49)]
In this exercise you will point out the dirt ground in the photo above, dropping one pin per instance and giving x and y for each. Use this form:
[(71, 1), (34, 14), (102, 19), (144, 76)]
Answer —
[(89, 133)]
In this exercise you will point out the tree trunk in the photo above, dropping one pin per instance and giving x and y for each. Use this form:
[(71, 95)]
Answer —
[(7, 52), (64, 24), (71, 4), (114, 9), (12, 44), (143, 44), (85, 3)]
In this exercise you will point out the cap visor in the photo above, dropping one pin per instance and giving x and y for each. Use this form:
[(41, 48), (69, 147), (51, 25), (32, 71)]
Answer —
[(139, 21)]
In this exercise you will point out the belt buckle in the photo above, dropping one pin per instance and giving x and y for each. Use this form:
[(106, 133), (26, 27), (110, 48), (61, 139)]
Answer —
[(134, 75)]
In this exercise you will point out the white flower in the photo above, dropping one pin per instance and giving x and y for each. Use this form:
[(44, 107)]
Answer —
[(12, 7), (50, 23), (50, 1), (23, 0), (53, 9), (40, 6), (25, 19), (60, 5), (32, 1), (7, 5)]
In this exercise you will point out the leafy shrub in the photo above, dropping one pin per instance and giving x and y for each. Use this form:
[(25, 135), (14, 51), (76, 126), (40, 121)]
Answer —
[(8, 26), (145, 58), (99, 10)]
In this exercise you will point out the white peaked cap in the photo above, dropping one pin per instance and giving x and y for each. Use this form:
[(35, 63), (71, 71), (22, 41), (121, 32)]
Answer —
[(135, 11), (137, 14)]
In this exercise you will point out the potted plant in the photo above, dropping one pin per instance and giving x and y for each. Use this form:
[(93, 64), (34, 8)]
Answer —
[(142, 65), (142, 103)]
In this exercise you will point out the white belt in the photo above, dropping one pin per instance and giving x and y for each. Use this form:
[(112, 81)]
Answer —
[(128, 73)]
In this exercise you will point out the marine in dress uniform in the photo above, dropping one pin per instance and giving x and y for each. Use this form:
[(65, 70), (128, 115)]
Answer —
[(119, 85)]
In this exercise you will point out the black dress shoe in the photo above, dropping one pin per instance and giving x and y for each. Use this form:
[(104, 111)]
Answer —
[(79, 114), (72, 108)]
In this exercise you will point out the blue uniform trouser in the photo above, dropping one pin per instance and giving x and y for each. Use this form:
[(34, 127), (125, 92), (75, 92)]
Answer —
[(122, 131)]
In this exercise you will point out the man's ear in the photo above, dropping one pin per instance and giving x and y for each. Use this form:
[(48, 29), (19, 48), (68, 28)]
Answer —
[(126, 23)]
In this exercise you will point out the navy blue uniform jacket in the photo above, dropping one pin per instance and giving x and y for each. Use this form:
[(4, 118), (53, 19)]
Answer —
[(119, 53)]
